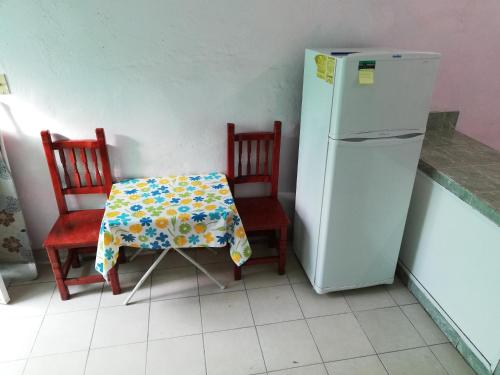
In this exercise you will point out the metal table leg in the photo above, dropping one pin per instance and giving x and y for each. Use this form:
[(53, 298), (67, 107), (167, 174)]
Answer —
[(157, 261), (146, 275)]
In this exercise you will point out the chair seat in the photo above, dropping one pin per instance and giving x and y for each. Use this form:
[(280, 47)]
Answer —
[(75, 229), (261, 213)]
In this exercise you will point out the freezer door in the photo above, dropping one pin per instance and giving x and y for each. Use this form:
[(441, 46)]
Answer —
[(368, 186), (396, 103)]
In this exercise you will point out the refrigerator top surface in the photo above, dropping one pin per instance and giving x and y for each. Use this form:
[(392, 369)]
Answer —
[(378, 53)]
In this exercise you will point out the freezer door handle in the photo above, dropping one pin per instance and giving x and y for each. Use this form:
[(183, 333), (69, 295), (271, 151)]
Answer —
[(405, 138), (410, 137)]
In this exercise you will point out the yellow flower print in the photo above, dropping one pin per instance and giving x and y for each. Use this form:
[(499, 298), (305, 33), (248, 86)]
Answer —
[(179, 189), (210, 207), (186, 201), (223, 191), (198, 192), (171, 212), (135, 228), (139, 214), (117, 241), (161, 222), (240, 232), (236, 257), (182, 178), (204, 187), (108, 238), (184, 217), (169, 195), (180, 241), (141, 184), (134, 197), (200, 228), (209, 237), (148, 201), (112, 214), (196, 183), (163, 181), (198, 204)]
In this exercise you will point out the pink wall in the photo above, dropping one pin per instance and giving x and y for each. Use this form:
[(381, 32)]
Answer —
[(467, 34)]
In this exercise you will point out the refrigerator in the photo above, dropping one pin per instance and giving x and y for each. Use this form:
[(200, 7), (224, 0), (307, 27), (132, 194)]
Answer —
[(364, 113)]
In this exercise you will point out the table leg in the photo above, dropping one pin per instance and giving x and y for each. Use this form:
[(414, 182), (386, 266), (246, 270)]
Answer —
[(146, 275), (201, 268)]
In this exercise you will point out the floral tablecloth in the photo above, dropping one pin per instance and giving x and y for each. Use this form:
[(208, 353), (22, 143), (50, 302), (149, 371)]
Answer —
[(174, 211)]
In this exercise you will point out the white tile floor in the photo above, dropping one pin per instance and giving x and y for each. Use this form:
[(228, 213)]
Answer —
[(180, 323)]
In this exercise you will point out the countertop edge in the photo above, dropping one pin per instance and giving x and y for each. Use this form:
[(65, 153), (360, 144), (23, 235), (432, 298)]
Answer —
[(461, 192)]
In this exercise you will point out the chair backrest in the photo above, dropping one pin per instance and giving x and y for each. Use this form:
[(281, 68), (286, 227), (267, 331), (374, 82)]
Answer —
[(77, 175), (259, 163)]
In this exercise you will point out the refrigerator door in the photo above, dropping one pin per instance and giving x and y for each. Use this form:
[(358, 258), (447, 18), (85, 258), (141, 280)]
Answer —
[(367, 191), (397, 102)]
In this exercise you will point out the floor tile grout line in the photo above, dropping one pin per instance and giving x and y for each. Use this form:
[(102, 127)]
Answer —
[(308, 327), (39, 329), (255, 329), (93, 330)]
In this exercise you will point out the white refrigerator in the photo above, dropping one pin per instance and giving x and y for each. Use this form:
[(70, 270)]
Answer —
[(364, 113)]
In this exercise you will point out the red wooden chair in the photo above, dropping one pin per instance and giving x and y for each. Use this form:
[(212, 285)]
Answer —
[(259, 214), (77, 231)]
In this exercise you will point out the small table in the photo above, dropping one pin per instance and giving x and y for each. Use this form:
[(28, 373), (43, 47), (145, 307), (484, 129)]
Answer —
[(170, 213)]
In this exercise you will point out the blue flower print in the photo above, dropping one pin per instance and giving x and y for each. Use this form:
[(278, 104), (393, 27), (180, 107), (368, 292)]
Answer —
[(151, 181), (193, 239), (151, 232), (131, 191), (198, 217), (228, 201), (214, 215), (195, 178), (159, 199), (220, 209), (156, 245), (236, 220), (190, 188), (175, 200), (103, 228), (218, 186), (212, 176), (145, 195), (128, 237), (108, 253), (222, 240), (99, 267), (114, 223), (163, 189), (155, 192), (145, 221), (183, 209), (129, 181), (136, 207), (162, 237), (198, 199)]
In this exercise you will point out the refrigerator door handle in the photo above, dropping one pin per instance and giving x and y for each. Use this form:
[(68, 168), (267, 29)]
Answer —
[(405, 138)]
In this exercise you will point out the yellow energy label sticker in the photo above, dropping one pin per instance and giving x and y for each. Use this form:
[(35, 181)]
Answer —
[(366, 72), (325, 68)]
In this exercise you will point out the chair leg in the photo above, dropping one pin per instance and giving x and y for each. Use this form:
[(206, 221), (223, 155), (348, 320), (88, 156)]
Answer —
[(114, 281), (55, 263), (237, 273), (121, 256), (282, 249)]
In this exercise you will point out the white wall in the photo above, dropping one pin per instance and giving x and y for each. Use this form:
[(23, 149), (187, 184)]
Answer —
[(163, 77), (452, 250)]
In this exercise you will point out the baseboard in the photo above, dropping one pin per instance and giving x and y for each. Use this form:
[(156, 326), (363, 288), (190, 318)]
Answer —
[(457, 338)]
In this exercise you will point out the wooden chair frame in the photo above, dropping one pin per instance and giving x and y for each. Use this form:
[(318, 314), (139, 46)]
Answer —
[(99, 182), (268, 173)]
